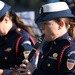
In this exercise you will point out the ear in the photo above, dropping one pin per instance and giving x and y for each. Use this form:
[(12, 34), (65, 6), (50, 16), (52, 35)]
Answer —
[(6, 19), (61, 24)]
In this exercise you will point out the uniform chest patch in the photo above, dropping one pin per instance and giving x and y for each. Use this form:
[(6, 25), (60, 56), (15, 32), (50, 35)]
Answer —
[(70, 64)]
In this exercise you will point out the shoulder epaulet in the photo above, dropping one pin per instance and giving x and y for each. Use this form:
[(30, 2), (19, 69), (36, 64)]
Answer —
[(18, 29), (21, 31), (69, 38)]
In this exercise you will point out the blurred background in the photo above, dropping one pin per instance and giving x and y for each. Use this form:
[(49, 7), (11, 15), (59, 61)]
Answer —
[(27, 5), (30, 5)]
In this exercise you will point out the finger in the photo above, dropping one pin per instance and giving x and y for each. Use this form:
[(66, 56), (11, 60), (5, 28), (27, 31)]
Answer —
[(25, 73), (22, 66), (12, 73), (21, 70), (29, 73), (25, 61), (16, 67), (11, 68)]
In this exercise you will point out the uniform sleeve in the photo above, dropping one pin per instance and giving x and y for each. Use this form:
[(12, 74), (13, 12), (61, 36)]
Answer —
[(24, 48), (67, 66)]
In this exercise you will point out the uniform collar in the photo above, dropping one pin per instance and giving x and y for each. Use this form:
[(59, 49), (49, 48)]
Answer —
[(65, 36), (11, 31), (13, 28)]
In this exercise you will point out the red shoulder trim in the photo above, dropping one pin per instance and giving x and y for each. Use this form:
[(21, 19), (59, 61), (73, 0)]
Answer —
[(61, 55), (33, 42), (17, 46)]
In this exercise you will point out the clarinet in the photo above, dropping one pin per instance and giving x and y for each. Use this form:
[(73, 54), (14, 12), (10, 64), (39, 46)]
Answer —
[(35, 47)]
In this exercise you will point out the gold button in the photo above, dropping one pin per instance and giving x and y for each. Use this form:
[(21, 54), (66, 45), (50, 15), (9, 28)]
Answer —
[(55, 55), (49, 65), (5, 38), (41, 56), (69, 38), (19, 29), (5, 58), (54, 43)]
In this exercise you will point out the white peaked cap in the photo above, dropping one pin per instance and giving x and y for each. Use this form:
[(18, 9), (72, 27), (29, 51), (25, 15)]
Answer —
[(3, 8), (54, 10)]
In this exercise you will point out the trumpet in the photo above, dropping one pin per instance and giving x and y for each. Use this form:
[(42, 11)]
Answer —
[(35, 47)]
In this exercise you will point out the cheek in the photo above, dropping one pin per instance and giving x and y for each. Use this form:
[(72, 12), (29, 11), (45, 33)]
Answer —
[(50, 29), (3, 29)]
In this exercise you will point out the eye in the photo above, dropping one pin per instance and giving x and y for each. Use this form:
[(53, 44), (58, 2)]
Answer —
[(45, 23)]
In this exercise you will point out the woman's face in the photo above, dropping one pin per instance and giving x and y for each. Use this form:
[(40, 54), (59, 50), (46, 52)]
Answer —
[(50, 29), (5, 26)]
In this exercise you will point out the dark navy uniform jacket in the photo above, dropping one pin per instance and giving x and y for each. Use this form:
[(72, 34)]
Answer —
[(57, 57), (13, 46)]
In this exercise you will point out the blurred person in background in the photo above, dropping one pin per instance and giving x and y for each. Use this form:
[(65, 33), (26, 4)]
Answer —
[(15, 41), (71, 4), (72, 7), (51, 1), (58, 52), (28, 18)]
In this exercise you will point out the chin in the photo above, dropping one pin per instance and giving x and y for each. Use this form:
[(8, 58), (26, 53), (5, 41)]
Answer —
[(47, 39), (3, 34)]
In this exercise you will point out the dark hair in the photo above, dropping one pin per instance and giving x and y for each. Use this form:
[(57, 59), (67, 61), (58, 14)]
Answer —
[(17, 20)]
